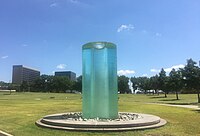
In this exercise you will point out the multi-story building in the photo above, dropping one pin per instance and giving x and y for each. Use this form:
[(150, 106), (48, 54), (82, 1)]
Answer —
[(71, 75), (21, 73)]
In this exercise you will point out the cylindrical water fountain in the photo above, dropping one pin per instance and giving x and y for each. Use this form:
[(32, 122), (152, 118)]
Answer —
[(100, 97)]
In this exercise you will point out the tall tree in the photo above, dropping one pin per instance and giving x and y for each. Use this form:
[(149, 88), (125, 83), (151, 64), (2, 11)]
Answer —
[(78, 84), (144, 83), (191, 76), (175, 81), (154, 83), (123, 84), (162, 81)]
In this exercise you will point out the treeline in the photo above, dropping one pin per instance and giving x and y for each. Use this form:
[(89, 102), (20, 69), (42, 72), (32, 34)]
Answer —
[(54, 84), (183, 80)]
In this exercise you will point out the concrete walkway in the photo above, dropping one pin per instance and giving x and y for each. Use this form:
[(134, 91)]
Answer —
[(196, 107)]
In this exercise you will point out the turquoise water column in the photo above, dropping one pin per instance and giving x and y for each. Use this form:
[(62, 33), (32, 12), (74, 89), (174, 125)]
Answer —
[(100, 97)]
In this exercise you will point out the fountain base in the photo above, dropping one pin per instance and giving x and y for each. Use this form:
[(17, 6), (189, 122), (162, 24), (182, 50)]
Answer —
[(126, 121)]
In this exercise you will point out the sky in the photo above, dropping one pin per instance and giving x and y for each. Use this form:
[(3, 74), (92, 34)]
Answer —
[(48, 34)]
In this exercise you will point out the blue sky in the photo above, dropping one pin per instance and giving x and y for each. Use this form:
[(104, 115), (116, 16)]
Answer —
[(48, 34)]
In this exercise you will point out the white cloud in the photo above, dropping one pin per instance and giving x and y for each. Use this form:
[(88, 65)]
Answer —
[(53, 5), (61, 66), (125, 27), (125, 72), (144, 75), (176, 67), (4, 57), (155, 70), (158, 34)]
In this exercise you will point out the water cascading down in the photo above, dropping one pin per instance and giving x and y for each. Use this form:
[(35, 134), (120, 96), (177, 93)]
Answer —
[(100, 97)]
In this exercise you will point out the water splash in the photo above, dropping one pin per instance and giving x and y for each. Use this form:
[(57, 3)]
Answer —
[(130, 84)]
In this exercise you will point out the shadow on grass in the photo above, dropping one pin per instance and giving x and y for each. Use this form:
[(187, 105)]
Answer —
[(155, 97), (198, 111), (169, 100), (7, 94), (186, 103)]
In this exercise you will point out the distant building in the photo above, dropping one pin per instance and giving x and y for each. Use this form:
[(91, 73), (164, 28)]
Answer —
[(71, 75), (21, 73)]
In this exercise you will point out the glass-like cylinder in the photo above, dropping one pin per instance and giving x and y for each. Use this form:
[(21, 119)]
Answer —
[(100, 96)]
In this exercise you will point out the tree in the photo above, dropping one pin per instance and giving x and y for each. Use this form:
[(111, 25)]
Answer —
[(123, 84), (61, 84), (48, 83), (3, 84), (44, 83), (154, 83), (175, 81), (144, 83), (162, 81), (24, 86), (191, 76), (78, 84)]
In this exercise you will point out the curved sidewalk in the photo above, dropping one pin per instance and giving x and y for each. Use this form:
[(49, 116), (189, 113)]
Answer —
[(4, 134), (182, 106)]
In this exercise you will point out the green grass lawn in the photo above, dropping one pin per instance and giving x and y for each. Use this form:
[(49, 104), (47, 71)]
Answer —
[(19, 111)]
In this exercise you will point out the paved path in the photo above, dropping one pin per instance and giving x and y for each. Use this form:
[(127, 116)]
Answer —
[(196, 107), (4, 134)]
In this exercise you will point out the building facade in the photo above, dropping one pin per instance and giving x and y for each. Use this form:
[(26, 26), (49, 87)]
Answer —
[(71, 75), (21, 73)]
